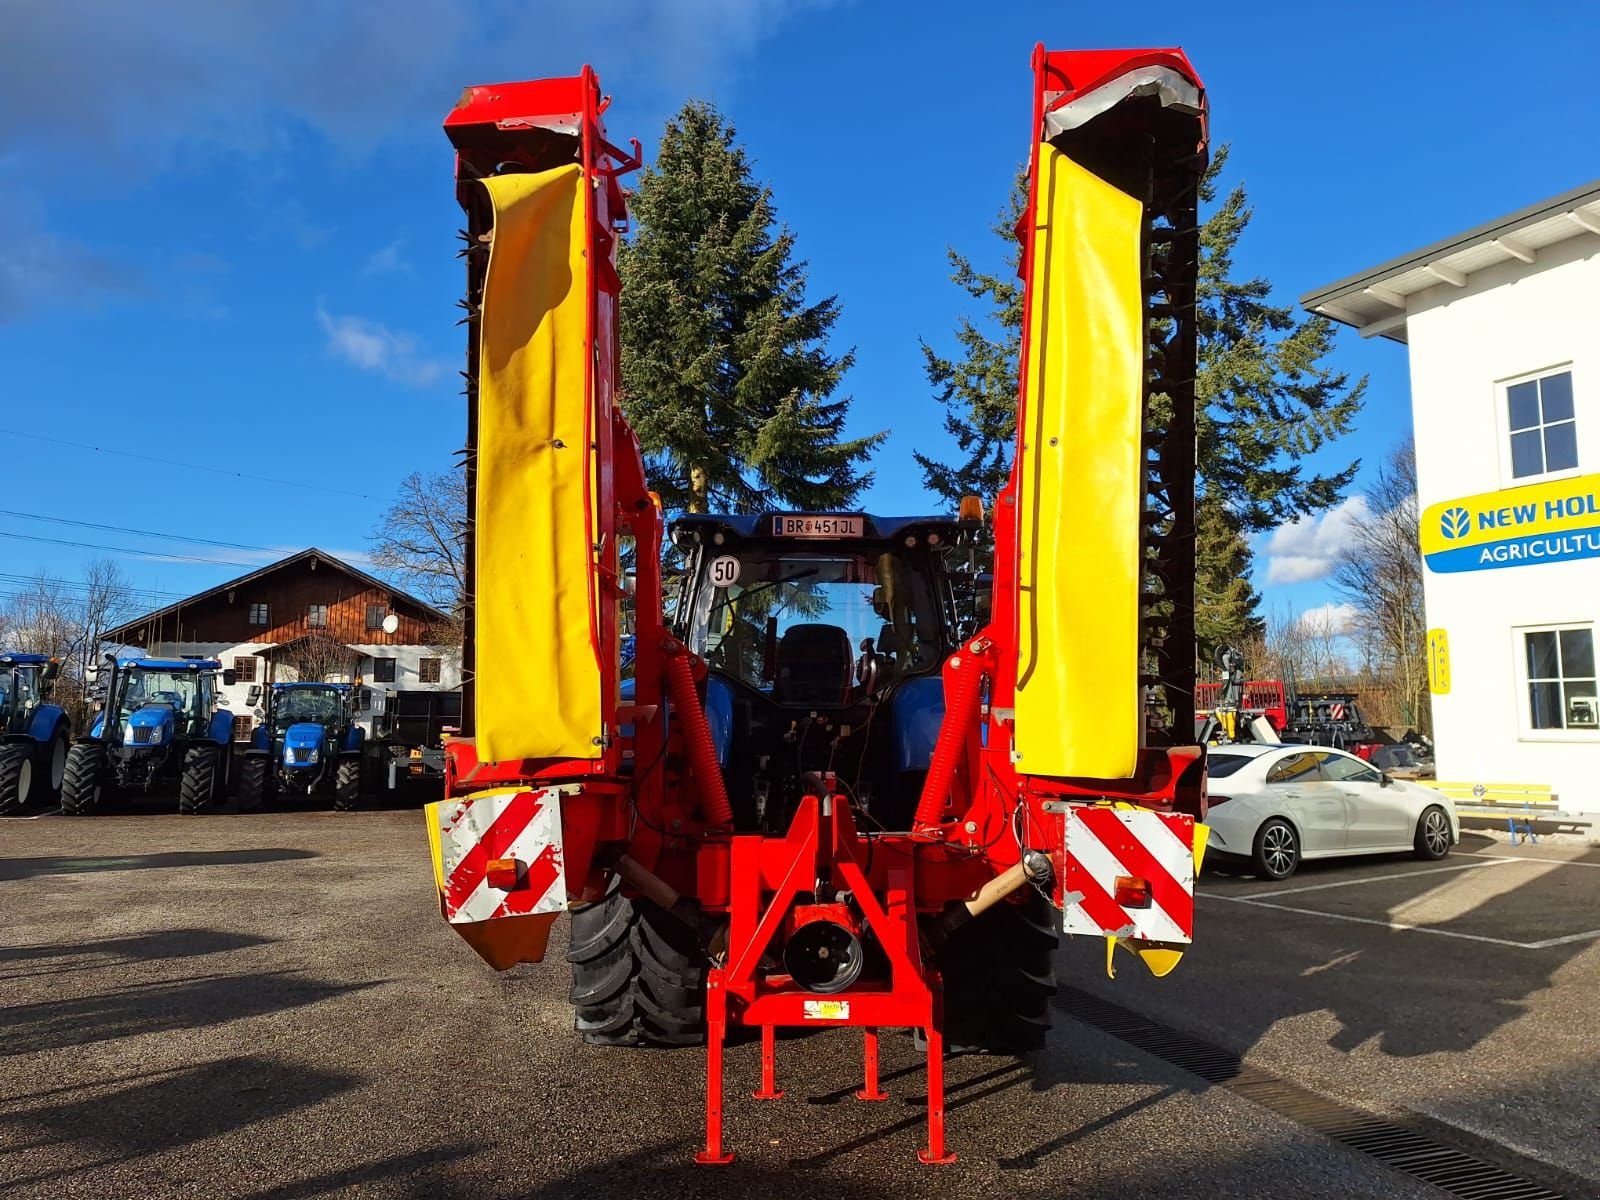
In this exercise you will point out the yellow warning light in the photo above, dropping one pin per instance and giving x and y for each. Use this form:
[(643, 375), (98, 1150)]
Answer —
[(971, 509), (655, 498)]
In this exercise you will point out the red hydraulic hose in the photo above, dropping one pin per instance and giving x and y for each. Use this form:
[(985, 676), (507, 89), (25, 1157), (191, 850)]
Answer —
[(961, 709), (697, 741)]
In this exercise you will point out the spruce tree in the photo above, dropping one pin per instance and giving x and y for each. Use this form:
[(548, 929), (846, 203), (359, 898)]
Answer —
[(1225, 605), (727, 378), (1265, 398)]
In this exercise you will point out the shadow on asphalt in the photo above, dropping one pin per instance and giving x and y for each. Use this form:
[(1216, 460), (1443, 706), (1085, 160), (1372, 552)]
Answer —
[(158, 1008), (62, 957), (147, 1115), (25, 868)]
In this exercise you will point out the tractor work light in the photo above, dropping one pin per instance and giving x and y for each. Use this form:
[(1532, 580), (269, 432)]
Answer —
[(1132, 892), (504, 874)]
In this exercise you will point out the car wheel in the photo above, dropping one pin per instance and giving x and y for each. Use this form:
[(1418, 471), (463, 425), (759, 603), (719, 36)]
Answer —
[(1277, 851), (1433, 834)]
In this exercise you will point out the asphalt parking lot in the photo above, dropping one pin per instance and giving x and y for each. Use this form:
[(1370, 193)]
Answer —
[(268, 1006)]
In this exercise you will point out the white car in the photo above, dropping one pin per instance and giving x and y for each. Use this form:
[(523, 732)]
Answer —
[(1276, 805)]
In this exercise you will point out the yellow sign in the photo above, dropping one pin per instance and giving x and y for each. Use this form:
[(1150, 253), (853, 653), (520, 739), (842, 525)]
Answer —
[(1539, 523), (1438, 662)]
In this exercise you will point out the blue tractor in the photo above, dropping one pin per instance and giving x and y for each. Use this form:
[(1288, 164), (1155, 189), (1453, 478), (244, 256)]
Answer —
[(161, 725), (308, 744), (34, 734)]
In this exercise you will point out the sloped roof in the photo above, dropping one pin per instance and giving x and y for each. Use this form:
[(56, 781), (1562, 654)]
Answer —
[(322, 556), (1374, 301)]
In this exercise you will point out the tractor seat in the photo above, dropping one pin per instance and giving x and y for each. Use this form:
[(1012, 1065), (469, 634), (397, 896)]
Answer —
[(815, 665)]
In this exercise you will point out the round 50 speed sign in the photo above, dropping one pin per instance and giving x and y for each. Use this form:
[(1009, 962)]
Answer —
[(724, 570)]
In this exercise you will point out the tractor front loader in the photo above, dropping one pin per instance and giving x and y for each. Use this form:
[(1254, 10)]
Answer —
[(308, 744), (840, 791), (162, 728)]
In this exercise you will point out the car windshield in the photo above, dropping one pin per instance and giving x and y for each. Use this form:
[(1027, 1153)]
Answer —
[(1220, 764), (319, 706), (177, 688), (758, 607)]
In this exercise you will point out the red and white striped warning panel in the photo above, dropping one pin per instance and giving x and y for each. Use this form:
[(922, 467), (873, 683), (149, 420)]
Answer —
[(498, 854), (1129, 873)]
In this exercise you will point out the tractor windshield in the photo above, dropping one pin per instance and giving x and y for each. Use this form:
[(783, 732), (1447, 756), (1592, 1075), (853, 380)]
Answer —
[(177, 688), (762, 617), (317, 706)]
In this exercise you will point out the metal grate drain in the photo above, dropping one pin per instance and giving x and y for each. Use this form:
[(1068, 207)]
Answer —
[(1446, 1168)]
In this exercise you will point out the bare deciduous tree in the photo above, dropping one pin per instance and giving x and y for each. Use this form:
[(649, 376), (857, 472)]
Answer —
[(420, 540), (1380, 573)]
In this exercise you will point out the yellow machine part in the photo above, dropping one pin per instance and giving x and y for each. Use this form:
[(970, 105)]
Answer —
[(1081, 481), (1159, 958), (538, 685), (505, 941)]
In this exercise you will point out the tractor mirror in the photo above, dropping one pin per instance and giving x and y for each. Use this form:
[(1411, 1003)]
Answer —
[(51, 670), (253, 696), (229, 677)]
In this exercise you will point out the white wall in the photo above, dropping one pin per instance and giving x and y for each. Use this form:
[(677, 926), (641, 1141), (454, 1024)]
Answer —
[(1509, 320)]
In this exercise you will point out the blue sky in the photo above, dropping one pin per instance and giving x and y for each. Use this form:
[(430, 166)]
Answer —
[(228, 231)]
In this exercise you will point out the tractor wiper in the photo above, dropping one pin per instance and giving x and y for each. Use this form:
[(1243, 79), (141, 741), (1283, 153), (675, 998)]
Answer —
[(764, 587)]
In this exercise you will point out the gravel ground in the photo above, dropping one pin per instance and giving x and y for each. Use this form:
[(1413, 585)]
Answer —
[(269, 1006)]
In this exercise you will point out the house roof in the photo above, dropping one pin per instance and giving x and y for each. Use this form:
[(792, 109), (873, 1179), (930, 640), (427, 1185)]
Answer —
[(322, 556), (1375, 301)]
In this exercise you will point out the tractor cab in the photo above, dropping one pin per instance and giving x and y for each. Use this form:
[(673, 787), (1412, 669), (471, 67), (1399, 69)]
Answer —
[(33, 732), (24, 679), (823, 635)]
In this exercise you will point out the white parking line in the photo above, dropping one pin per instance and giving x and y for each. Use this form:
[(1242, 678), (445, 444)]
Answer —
[(1318, 887), (1562, 941), (1396, 925), (1563, 862)]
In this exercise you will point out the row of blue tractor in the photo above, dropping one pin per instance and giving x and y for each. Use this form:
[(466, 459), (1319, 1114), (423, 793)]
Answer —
[(308, 744), (34, 733)]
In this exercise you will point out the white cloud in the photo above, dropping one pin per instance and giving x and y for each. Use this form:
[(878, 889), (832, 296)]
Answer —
[(372, 346), (1329, 619), (387, 261), (1306, 548)]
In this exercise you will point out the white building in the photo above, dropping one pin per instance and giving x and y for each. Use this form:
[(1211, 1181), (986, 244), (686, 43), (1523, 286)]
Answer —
[(308, 616), (1503, 325)]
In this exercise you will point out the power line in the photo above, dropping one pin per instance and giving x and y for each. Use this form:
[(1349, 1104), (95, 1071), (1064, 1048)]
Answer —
[(182, 558), (176, 537), (172, 462), (75, 585)]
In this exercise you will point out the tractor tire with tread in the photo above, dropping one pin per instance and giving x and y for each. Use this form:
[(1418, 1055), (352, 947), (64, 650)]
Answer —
[(252, 794), (999, 975), (51, 776), (15, 765), (82, 785), (638, 975), (347, 784), (199, 787)]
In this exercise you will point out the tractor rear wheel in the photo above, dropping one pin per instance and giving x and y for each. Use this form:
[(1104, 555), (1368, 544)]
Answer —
[(16, 768), (200, 769), (638, 975), (83, 783), (53, 765), (347, 784), (253, 782), (999, 974)]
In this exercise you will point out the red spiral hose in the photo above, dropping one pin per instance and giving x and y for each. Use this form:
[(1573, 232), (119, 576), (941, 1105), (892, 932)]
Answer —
[(961, 708), (697, 741)]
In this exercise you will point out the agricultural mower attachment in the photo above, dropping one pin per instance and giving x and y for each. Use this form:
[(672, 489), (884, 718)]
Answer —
[(824, 797)]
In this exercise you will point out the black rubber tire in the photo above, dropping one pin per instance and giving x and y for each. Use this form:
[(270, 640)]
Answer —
[(999, 975), (83, 786), (199, 786), (347, 784), (1276, 851), (44, 768), (14, 756), (638, 975), (1432, 840), (252, 793)]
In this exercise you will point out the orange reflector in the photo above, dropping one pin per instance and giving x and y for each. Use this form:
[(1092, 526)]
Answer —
[(1132, 892), (971, 509), (503, 873)]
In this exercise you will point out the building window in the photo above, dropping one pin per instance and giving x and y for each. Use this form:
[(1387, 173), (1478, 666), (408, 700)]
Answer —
[(242, 728), (1544, 431), (1561, 678), (258, 614), (317, 616), (428, 670), (244, 670), (383, 670), (375, 615)]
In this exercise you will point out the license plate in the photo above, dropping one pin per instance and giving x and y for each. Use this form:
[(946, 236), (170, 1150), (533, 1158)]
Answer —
[(820, 527)]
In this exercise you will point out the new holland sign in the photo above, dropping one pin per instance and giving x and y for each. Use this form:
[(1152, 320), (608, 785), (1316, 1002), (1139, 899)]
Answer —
[(1541, 523)]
